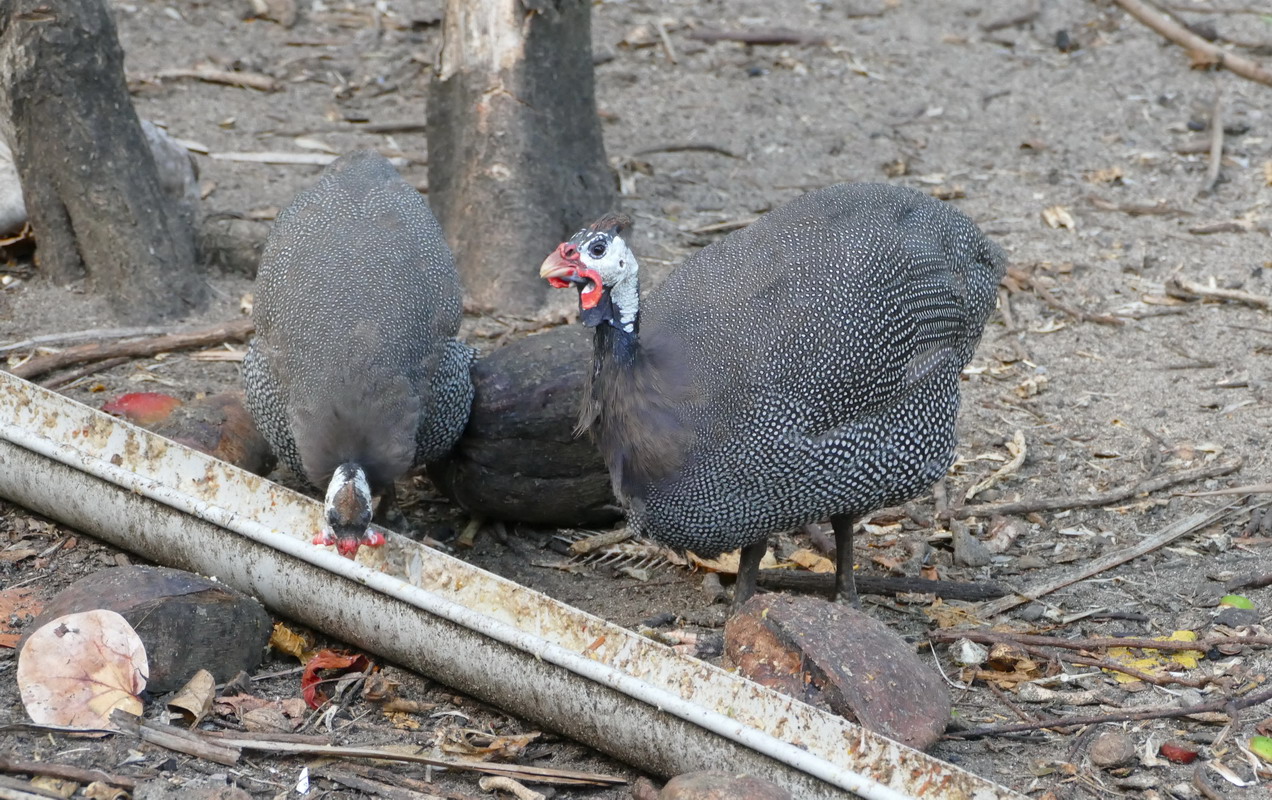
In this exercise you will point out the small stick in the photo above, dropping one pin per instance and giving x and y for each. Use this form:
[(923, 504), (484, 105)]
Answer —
[(700, 147), (757, 37), (1050, 299), (1216, 145), (1023, 18), (1021, 507), (370, 786), (1156, 680), (246, 80), (1097, 642), (1185, 287), (138, 348), (1185, 38), (65, 772), (668, 48), (1005, 700), (1228, 704), (96, 335), (1162, 538), (824, 583), (67, 378), (1249, 582)]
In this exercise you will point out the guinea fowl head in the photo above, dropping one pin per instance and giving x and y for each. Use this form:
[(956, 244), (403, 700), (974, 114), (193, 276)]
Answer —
[(598, 262), (347, 512)]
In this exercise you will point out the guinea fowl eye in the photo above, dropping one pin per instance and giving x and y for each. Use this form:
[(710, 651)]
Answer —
[(597, 249)]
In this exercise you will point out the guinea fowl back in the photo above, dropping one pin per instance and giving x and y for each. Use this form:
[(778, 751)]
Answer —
[(357, 304), (809, 367)]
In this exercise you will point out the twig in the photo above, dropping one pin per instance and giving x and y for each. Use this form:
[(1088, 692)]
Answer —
[(1161, 208), (668, 48), (700, 147), (247, 80), (64, 771), (67, 378), (1164, 537), (137, 348), (1097, 642), (1216, 145), (95, 335), (775, 36), (728, 225), (370, 786), (1021, 507), (11, 789), (1113, 666), (1178, 286), (182, 741), (1229, 705), (823, 583), (1249, 582), (1185, 38), (1005, 700)]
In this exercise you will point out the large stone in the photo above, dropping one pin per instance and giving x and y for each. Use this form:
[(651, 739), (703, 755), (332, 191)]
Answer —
[(186, 622), (836, 657)]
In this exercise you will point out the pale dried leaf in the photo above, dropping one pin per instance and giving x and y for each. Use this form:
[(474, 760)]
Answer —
[(1058, 217), (194, 699), (77, 669)]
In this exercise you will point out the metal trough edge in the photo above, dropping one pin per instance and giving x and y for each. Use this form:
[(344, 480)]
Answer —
[(500, 642)]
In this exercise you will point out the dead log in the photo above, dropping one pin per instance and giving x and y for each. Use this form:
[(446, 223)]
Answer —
[(518, 458), (516, 160), (91, 187)]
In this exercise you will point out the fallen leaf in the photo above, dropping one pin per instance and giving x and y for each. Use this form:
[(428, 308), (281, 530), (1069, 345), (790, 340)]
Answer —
[(16, 603), (1107, 175), (486, 746), (142, 408), (1058, 217), (285, 640), (1236, 601), (1261, 746), (1155, 662), (77, 669), (727, 563), (194, 699), (812, 561), (328, 660)]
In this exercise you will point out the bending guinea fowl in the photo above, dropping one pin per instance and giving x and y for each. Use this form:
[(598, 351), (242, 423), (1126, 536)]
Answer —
[(354, 375), (803, 368)]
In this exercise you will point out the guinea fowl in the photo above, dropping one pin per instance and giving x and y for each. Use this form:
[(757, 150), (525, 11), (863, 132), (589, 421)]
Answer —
[(354, 375), (803, 368)]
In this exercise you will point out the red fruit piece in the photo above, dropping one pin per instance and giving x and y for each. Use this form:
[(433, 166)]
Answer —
[(1178, 753), (142, 408)]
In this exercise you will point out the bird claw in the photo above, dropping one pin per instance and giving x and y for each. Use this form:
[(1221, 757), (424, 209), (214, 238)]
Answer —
[(323, 538), (372, 538)]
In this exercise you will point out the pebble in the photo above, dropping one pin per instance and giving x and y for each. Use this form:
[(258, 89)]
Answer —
[(1111, 749)]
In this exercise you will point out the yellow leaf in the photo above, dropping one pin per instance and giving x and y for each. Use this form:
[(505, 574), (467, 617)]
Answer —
[(727, 563), (287, 641), (812, 561)]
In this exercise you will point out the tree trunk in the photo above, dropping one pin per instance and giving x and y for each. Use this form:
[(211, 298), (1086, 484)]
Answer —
[(516, 159), (91, 186)]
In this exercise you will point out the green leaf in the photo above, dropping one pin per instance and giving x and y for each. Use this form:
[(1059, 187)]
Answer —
[(1236, 601), (1261, 746)]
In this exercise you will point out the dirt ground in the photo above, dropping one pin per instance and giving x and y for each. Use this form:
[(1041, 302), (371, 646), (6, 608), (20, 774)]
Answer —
[(1086, 162)]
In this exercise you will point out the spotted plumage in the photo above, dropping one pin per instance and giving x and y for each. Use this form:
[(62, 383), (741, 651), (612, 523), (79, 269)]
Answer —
[(803, 368), (355, 362)]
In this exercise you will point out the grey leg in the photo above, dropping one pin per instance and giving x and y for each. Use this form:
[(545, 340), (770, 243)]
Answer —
[(748, 572), (845, 583)]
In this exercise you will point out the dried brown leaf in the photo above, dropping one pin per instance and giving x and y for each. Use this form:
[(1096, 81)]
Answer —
[(78, 668), (1058, 217), (194, 700)]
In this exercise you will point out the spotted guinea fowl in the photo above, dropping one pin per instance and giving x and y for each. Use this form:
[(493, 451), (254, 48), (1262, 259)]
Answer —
[(803, 368), (354, 375)]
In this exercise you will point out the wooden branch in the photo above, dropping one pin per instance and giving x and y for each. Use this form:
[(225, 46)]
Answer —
[(1185, 38), (67, 378), (758, 36), (1098, 642), (1226, 705), (815, 583), (177, 739), (245, 80), (371, 787), (1216, 145), (64, 771), (95, 335), (1164, 537), (136, 348), (1182, 287), (1037, 504)]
